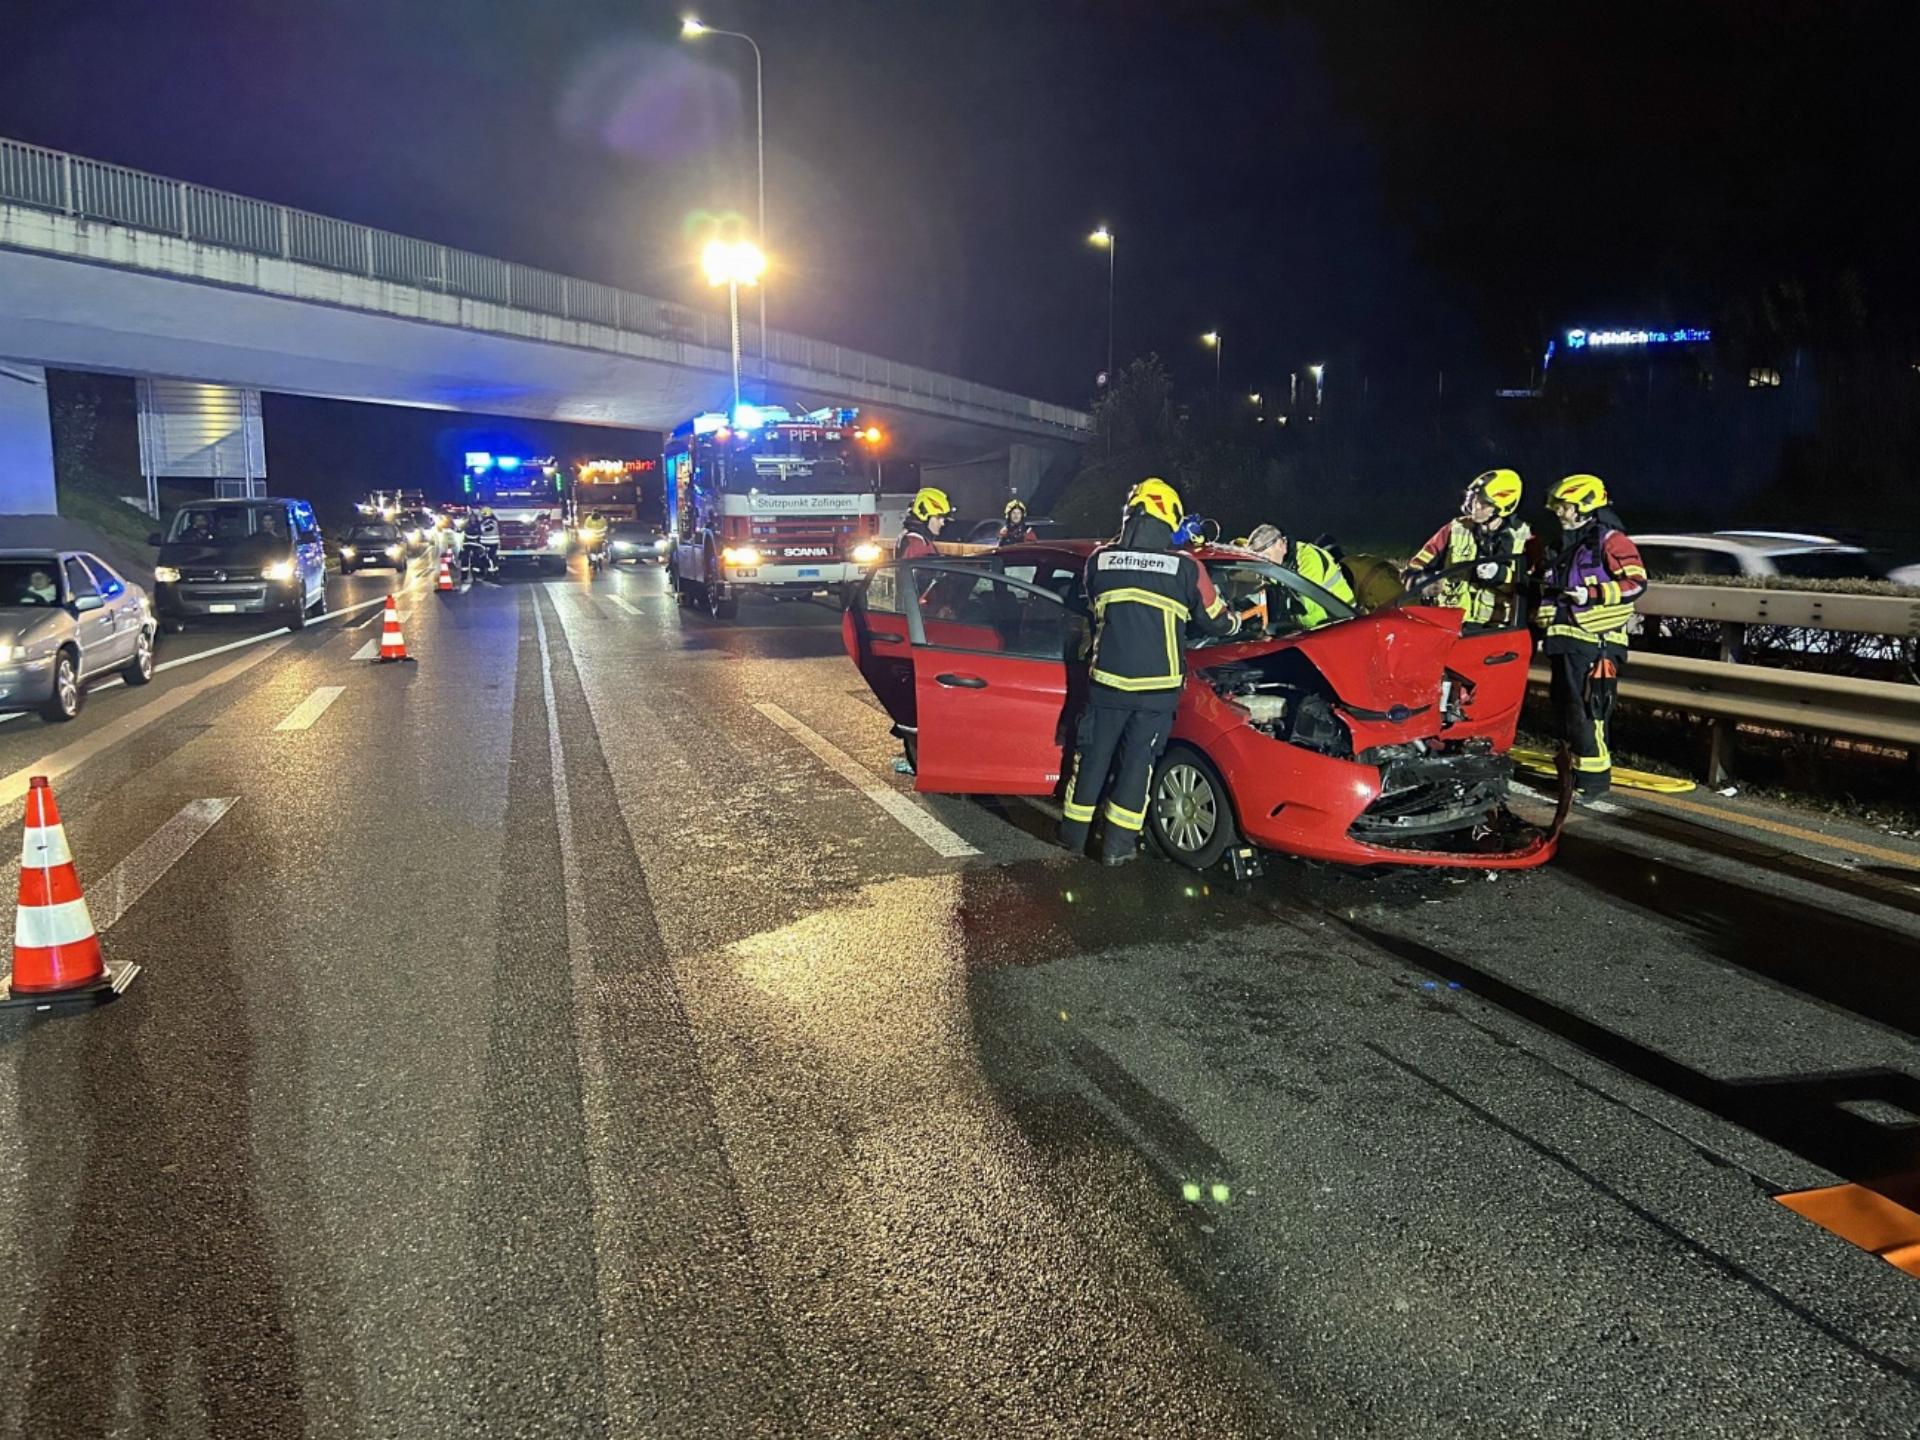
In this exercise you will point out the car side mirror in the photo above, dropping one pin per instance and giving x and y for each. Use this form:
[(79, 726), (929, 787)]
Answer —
[(156, 539), (84, 603)]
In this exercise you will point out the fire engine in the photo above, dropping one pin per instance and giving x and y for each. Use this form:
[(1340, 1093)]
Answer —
[(765, 502), (615, 489), (524, 494)]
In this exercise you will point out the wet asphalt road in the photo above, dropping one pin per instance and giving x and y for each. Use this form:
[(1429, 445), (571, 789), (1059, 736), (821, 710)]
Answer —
[(548, 1041)]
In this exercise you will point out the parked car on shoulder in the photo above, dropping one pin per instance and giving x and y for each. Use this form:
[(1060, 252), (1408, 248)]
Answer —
[(67, 618), (262, 556)]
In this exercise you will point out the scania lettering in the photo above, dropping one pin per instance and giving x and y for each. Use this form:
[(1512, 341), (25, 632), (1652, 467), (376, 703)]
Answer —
[(767, 503)]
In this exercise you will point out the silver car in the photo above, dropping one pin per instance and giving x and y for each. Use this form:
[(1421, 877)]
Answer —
[(67, 618)]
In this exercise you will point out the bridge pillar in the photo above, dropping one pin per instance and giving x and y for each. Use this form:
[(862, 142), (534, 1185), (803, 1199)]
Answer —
[(26, 442)]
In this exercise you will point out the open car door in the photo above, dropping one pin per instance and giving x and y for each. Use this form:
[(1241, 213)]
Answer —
[(990, 658), (1486, 670)]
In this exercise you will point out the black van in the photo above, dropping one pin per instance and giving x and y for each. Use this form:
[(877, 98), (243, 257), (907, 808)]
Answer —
[(240, 557)]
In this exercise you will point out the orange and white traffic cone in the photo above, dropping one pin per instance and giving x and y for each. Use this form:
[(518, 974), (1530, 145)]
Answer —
[(393, 645), (56, 954), (445, 582)]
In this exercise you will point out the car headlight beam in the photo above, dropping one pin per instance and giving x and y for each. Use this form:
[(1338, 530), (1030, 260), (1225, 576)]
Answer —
[(866, 553), (165, 575), (744, 555), (279, 570)]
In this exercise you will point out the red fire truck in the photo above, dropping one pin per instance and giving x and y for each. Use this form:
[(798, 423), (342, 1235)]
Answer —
[(768, 503), (524, 494)]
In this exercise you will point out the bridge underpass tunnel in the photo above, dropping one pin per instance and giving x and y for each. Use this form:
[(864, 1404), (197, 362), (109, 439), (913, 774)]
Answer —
[(26, 441)]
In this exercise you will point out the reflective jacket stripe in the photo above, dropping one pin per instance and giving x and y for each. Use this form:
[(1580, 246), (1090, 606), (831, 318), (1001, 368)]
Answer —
[(1128, 682), (1143, 597)]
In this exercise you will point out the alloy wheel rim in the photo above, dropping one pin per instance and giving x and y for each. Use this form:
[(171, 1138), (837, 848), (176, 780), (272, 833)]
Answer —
[(69, 687), (1186, 808)]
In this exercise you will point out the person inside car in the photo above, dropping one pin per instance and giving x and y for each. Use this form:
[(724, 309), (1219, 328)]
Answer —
[(41, 588)]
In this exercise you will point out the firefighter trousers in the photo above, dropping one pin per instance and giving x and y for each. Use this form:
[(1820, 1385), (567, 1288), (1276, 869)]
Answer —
[(1582, 688), (1114, 750)]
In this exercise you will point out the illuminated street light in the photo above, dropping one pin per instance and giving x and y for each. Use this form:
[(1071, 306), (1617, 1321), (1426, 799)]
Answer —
[(1319, 374), (733, 263), (1103, 237), (693, 29), (1212, 340)]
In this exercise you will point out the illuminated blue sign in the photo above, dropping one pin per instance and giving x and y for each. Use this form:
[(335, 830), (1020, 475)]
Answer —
[(479, 460), (1606, 339), (508, 462)]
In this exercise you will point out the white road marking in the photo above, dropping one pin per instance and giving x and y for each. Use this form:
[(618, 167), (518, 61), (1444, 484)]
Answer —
[(312, 708), (368, 651), (596, 1090), (625, 604), (114, 893), (937, 837), (70, 758)]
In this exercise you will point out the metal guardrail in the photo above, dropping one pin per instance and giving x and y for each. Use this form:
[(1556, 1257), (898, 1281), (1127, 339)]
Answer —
[(89, 189), (1728, 693)]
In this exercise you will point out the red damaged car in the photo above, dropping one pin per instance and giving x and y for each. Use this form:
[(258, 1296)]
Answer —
[(1370, 739)]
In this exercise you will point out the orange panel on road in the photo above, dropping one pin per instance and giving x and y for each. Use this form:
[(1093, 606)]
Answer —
[(1863, 1218)]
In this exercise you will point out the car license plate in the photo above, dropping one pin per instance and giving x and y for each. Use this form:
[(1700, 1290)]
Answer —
[(223, 609), (807, 573)]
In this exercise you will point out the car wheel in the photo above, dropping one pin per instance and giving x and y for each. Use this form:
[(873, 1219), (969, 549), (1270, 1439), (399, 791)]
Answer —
[(320, 605), (297, 616), (140, 670), (345, 569), (64, 703), (1189, 812)]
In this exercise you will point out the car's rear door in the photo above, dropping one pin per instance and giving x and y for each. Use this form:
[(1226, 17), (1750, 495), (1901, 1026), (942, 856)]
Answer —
[(990, 657)]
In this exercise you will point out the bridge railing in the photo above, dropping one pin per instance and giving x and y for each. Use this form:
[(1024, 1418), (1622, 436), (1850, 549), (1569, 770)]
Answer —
[(52, 180)]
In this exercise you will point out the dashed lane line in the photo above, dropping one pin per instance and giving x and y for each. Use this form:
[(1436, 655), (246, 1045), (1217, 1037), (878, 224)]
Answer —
[(929, 831), (111, 896), (312, 708), (626, 605), (71, 757)]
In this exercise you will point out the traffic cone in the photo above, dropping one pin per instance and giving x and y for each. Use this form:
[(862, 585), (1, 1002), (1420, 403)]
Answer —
[(56, 954), (393, 645), (445, 582)]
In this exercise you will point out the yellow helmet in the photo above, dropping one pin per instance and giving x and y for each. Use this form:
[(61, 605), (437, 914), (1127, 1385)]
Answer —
[(1016, 503), (1586, 493), (1158, 499), (929, 503), (1499, 488), (1310, 562)]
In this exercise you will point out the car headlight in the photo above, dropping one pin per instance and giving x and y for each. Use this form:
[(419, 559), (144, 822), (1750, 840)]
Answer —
[(866, 553), (279, 570), (393, 552), (165, 575), (662, 543), (12, 652), (623, 544), (347, 552), (557, 540), (742, 555)]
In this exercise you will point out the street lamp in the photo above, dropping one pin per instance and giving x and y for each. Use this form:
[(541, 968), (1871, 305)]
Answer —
[(692, 29), (1212, 340), (1103, 237), (1318, 372), (733, 263)]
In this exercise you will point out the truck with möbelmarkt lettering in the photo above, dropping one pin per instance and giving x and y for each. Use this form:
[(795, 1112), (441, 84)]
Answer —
[(766, 503)]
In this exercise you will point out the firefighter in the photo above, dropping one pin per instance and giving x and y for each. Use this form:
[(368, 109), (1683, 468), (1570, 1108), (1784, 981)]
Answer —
[(1144, 595), (1486, 536), (926, 518), (1014, 529), (1587, 594), (1319, 566)]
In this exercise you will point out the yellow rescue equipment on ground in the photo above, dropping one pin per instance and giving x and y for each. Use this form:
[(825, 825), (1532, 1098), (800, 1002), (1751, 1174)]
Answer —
[(1541, 762)]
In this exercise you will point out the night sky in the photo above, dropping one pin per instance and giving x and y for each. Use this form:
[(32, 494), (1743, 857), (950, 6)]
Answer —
[(1391, 187)]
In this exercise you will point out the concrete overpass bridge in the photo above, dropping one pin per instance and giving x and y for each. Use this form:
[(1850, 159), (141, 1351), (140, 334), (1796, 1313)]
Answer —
[(111, 269)]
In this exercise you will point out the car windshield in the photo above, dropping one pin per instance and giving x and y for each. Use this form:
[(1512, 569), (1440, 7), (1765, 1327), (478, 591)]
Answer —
[(225, 525), (1271, 600), (29, 584), (373, 532), (1830, 565)]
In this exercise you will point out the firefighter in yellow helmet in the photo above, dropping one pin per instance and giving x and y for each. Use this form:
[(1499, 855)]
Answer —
[(1145, 595), (1587, 593), (1485, 547), (926, 518), (1014, 529)]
